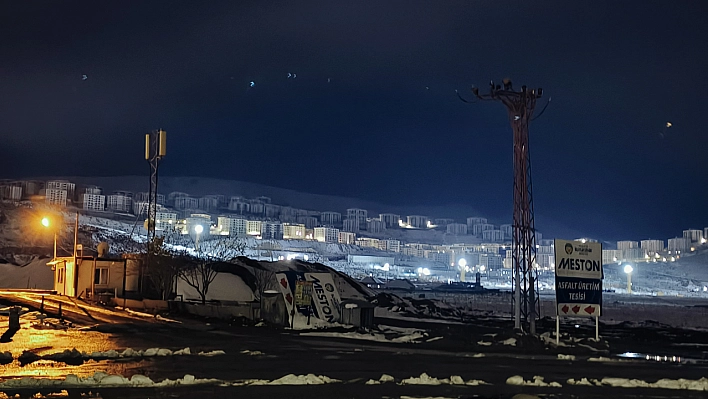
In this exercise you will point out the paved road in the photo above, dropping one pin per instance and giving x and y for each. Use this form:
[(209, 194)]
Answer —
[(354, 361)]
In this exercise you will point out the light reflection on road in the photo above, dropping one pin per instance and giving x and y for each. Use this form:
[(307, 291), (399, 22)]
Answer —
[(46, 339)]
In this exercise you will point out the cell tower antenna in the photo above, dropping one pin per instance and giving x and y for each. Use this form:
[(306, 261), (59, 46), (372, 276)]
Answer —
[(155, 149), (520, 106)]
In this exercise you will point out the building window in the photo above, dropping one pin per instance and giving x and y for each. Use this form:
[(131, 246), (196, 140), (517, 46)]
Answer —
[(60, 275), (100, 276)]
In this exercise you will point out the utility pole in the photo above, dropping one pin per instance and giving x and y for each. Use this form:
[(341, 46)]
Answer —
[(155, 149), (520, 106)]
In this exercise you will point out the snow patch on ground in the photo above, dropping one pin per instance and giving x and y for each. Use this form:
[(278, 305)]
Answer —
[(103, 380), (425, 379), (565, 357), (385, 334), (291, 379), (665, 383), (212, 353), (70, 354), (537, 381), (252, 353), (382, 380)]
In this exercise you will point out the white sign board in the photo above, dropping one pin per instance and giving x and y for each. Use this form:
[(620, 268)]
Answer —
[(578, 278), (577, 259)]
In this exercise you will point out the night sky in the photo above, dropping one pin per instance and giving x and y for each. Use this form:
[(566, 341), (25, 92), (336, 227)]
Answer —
[(372, 112)]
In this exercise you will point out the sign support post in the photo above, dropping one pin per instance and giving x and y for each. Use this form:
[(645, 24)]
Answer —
[(558, 330)]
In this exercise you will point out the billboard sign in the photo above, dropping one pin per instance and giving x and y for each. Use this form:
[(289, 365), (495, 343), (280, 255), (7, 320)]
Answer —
[(325, 296), (303, 293), (578, 278)]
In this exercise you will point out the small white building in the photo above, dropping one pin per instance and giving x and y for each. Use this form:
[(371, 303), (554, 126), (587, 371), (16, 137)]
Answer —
[(11, 192), (493, 236), (477, 229), (345, 237), (326, 234), (693, 236), (390, 219), (55, 196), (64, 185), (165, 220), (330, 218), (254, 227), (272, 230), (653, 246), (351, 225), (375, 226), (471, 221), (232, 226), (94, 202), (678, 244), (120, 201), (417, 221), (293, 231), (622, 245), (457, 229)]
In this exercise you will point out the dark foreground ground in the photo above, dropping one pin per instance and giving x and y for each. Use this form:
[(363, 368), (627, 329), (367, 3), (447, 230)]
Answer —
[(356, 361)]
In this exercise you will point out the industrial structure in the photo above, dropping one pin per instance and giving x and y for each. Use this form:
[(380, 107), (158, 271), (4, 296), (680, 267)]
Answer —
[(520, 106)]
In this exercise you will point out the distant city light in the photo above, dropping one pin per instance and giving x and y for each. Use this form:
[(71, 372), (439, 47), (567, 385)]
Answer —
[(45, 222), (198, 229), (482, 268), (305, 258), (462, 262), (628, 269)]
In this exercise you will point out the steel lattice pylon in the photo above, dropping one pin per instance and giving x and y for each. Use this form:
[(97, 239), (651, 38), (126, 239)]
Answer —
[(520, 106), (155, 149)]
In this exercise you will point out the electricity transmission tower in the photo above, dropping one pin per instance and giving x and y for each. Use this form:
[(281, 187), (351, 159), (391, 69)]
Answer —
[(520, 106)]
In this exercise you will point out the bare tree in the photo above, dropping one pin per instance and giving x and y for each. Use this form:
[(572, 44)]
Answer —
[(163, 267), (264, 281), (198, 271)]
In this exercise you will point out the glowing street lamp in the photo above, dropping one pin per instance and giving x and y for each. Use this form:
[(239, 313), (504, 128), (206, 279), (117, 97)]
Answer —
[(198, 229), (46, 223), (462, 263), (628, 269)]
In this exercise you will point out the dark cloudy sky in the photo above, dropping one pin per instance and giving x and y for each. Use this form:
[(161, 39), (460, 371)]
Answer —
[(372, 112)]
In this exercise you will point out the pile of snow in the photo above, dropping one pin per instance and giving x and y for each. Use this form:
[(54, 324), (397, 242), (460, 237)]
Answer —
[(252, 353), (212, 353), (291, 379), (73, 354), (536, 382), (665, 383), (382, 380), (565, 357), (386, 335), (103, 380), (425, 379)]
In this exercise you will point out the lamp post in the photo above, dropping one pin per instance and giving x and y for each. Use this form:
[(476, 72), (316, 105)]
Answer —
[(197, 229), (46, 223), (628, 269), (462, 263)]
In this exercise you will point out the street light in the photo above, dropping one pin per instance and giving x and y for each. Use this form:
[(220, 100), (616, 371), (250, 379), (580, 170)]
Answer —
[(198, 229), (46, 223), (462, 263), (629, 269)]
